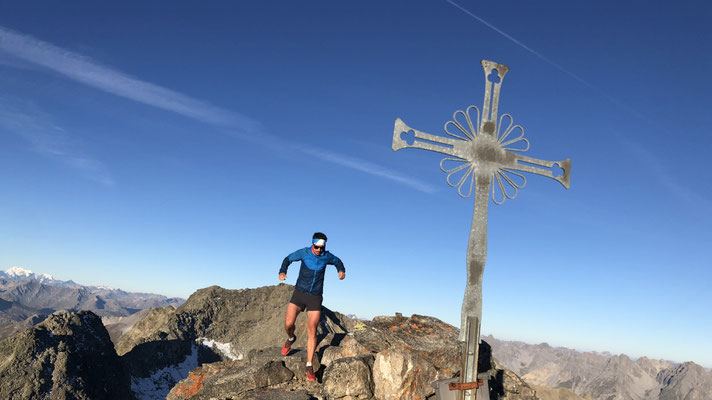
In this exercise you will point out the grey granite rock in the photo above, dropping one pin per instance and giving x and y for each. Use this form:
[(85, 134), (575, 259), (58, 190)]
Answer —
[(67, 356), (349, 379)]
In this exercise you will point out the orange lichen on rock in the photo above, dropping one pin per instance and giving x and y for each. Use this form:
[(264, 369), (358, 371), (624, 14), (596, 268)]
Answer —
[(191, 386)]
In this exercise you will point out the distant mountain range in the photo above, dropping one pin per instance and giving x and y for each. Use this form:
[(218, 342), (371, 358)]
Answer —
[(601, 375), (26, 298)]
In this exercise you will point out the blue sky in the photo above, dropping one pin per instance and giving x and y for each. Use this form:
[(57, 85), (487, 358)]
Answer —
[(166, 148)]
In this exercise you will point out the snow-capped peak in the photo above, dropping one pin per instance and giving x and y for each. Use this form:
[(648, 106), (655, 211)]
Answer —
[(21, 273)]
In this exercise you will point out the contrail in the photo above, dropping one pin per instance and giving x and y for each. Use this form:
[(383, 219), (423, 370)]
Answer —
[(522, 45), (549, 61)]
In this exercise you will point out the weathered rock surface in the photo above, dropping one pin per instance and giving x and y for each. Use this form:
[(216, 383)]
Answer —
[(506, 385), (156, 318), (230, 379), (225, 344), (334, 347), (349, 379), (239, 320), (387, 358), (119, 326), (547, 393), (410, 353), (687, 381), (214, 324), (67, 356)]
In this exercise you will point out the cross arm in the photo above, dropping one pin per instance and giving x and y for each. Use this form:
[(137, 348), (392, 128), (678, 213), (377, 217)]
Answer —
[(533, 165), (424, 141)]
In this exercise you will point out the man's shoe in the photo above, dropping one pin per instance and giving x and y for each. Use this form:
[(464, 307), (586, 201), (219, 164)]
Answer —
[(288, 346), (310, 373)]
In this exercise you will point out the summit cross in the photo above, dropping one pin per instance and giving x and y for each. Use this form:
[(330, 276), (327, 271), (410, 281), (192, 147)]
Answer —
[(484, 154)]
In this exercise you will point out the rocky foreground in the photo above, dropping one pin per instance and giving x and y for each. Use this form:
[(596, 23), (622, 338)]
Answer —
[(224, 344)]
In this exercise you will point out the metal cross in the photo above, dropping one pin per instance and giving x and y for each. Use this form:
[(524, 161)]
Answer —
[(481, 150)]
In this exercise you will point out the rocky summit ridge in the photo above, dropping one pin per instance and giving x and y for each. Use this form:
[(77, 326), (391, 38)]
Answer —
[(225, 344)]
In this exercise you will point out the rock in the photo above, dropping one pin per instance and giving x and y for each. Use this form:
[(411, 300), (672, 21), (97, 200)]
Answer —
[(275, 394), (349, 379), (419, 332), (547, 393), (410, 354), (149, 326), (118, 326), (229, 379), (346, 347), (401, 374), (245, 330), (237, 321), (67, 356), (687, 381), (506, 385)]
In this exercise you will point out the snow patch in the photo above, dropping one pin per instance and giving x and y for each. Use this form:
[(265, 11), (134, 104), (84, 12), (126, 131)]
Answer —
[(157, 386), (224, 348)]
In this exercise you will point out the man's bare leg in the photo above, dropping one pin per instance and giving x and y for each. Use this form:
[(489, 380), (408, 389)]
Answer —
[(312, 322), (290, 319)]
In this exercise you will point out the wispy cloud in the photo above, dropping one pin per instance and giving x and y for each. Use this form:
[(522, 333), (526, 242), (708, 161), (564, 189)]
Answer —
[(89, 72), (367, 167), (83, 69), (48, 139)]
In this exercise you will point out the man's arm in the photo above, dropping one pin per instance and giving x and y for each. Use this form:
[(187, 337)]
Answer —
[(340, 267), (296, 256), (283, 268)]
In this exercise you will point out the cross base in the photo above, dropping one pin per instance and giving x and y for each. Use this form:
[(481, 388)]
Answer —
[(465, 385), (443, 391)]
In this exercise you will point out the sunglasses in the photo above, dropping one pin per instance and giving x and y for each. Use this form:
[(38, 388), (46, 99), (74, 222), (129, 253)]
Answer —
[(319, 247)]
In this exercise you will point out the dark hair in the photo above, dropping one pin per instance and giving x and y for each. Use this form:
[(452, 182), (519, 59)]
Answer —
[(319, 235)]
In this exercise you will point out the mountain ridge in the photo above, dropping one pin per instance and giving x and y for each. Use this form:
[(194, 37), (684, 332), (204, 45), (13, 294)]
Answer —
[(603, 376), (27, 298)]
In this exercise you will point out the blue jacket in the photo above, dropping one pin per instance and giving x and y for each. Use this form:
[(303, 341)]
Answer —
[(311, 273)]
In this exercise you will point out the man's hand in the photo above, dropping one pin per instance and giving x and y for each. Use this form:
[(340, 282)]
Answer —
[(283, 276), (342, 275)]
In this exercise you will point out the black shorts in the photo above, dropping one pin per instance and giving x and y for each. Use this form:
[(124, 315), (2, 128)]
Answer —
[(307, 302)]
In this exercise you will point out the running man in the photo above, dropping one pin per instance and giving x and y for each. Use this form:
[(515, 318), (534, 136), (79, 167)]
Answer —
[(308, 292)]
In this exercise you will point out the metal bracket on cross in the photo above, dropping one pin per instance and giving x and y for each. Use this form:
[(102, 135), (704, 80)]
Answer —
[(482, 149)]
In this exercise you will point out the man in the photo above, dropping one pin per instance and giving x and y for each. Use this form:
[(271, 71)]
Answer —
[(308, 292)]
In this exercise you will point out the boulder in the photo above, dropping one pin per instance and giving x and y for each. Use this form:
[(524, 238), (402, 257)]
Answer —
[(346, 347), (401, 374), (349, 379), (295, 362), (67, 356), (229, 380), (275, 394), (506, 385)]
